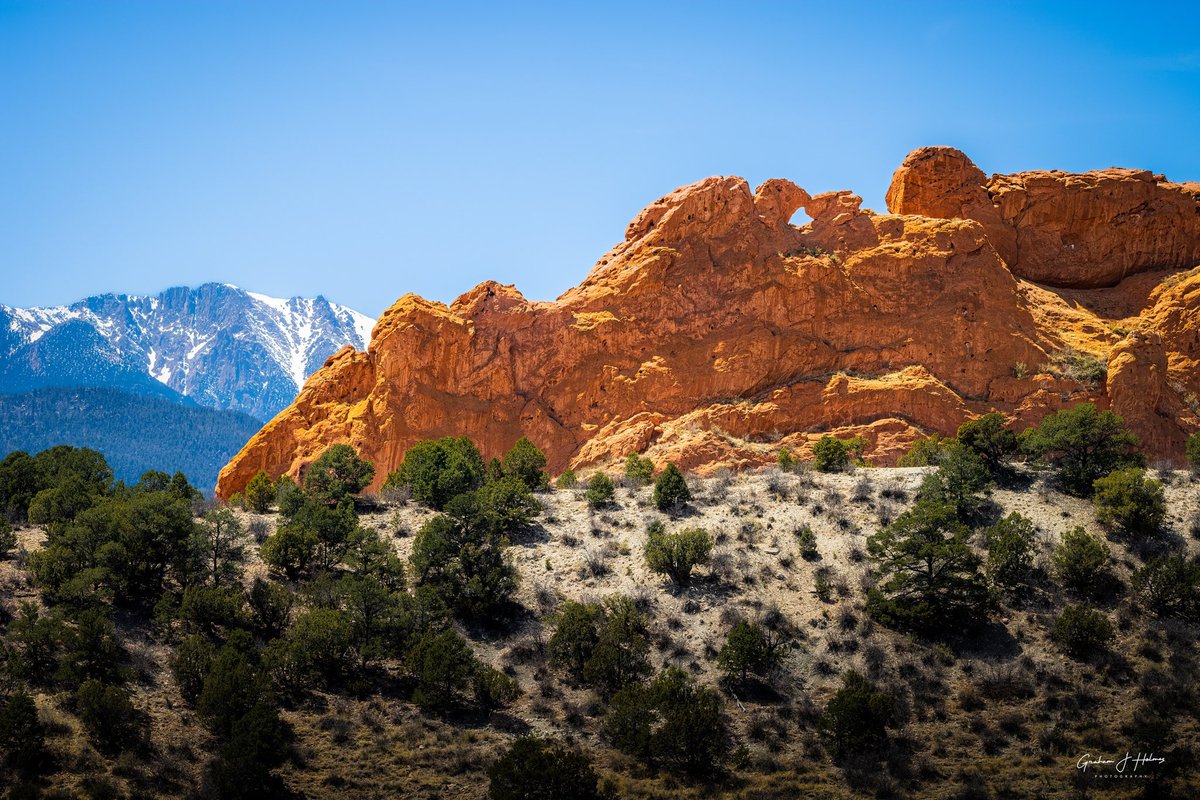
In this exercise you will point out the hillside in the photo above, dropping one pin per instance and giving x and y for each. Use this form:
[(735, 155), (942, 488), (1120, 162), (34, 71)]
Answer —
[(717, 332), (998, 711), (220, 346), (135, 432)]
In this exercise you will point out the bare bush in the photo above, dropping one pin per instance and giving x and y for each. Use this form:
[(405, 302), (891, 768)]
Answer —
[(863, 490), (259, 530), (595, 563)]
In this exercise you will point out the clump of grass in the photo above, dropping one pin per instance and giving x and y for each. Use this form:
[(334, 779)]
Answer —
[(1076, 365)]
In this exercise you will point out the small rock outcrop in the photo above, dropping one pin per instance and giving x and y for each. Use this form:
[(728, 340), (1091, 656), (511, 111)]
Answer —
[(716, 332)]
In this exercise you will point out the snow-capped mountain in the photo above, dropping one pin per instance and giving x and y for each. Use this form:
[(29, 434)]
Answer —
[(217, 345)]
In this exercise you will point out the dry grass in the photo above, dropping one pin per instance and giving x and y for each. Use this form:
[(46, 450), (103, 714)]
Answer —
[(1007, 709)]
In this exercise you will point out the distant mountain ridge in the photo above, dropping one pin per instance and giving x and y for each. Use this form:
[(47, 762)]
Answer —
[(134, 432), (216, 345)]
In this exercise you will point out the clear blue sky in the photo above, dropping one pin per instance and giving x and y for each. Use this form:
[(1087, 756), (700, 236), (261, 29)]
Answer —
[(362, 150)]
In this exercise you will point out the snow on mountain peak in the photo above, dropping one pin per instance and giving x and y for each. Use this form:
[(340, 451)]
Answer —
[(221, 345)]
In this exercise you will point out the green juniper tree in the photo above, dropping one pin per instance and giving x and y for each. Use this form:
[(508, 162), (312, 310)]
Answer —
[(929, 575)]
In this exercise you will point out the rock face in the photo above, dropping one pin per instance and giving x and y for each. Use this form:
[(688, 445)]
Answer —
[(717, 332), (1081, 230)]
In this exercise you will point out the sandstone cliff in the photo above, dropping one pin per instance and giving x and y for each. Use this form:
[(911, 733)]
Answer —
[(717, 331)]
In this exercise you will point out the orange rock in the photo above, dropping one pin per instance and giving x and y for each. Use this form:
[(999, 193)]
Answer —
[(717, 332), (1081, 230)]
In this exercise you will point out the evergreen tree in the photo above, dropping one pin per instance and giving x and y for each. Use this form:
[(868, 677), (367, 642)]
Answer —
[(337, 474), (600, 490), (527, 463), (639, 471), (537, 769), (440, 469), (19, 484), (929, 576), (961, 481), (748, 650), (1010, 545), (671, 490), (677, 554), (856, 719), (987, 438), (1082, 444), (219, 544), (260, 493)]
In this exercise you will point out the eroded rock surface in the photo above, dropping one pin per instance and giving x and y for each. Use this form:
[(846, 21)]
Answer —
[(717, 332)]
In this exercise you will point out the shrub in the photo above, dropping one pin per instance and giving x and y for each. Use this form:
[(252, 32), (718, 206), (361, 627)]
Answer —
[(672, 723), (600, 491), (508, 504), (925, 452), (1081, 630), (190, 665), (1082, 444), (566, 480), (493, 689), (1129, 500), (831, 454), (1193, 451), (8, 539), (212, 607), (545, 770), (748, 650), (929, 575), (439, 469), (19, 483), (316, 650), (1169, 586), (639, 471), (1077, 366), (602, 645), (107, 714), (857, 717), (987, 438), (527, 463), (1082, 562), (336, 474), (443, 667), (671, 489), (257, 743), (1010, 549), (230, 690), (575, 636), (22, 735), (785, 460), (465, 565), (960, 481), (677, 554), (807, 540), (260, 493), (289, 550)]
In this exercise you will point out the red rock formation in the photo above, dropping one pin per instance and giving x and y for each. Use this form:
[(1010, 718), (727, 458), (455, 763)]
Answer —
[(717, 332), (1083, 230)]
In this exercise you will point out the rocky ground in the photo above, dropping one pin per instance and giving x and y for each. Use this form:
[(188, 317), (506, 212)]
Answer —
[(997, 713)]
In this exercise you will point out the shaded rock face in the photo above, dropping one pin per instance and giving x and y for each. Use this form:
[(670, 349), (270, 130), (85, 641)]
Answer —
[(717, 332), (1080, 230)]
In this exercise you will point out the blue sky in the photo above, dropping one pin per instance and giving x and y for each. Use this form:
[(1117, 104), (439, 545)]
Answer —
[(363, 150)]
